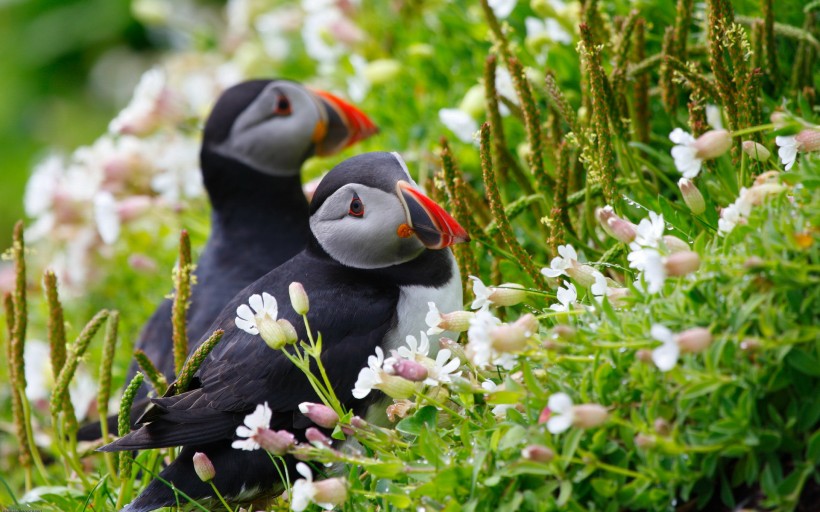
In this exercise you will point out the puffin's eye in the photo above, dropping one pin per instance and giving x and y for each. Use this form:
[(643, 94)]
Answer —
[(282, 107), (356, 207)]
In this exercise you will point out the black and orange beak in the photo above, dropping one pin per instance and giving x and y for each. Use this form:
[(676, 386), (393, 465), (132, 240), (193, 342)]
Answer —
[(427, 220), (344, 126)]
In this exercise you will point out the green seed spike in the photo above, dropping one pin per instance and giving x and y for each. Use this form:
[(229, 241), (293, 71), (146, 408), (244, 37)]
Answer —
[(683, 18), (75, 353), (696, 80), (668, 96), (124, 423), (504, 161), (155, 377), (770, 45), (17, 340), (697, 114), (640, 117), (560, 102), (57, 342), (497, 209), (560, 212), (600, 113), (182, 296), (195, 361), (718, 62), (451, 172), (104, 392)]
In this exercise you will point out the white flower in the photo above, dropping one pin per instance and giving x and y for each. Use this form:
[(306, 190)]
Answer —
[(666, 356), (505, 87), (600, 288), (371, 376), (650, 262), (736, 213), (442, 371), (40, 379), (106, 217), (264, 307), (713, 117), (357, 85), (179, 174), (254, 422), (567, 295), (501, 409), (561, 413), (548, 27), (459, 122), (558, 266), (320, 44), (649, 232), (303, 491), (433, 319), (685, 153), (416, 350), (787, 150), (152, 101), (502, 8), (42, 185), (480, 349), (482, 294)]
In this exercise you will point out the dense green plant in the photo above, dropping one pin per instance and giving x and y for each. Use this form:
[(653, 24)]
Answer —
[(692, 363)]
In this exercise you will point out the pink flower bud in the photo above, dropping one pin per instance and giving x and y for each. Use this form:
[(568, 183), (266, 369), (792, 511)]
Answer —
[(779, 119), (617, 295), (507, 294), (584, 275), (644, 356), (661, 426), (331, 490), (314, 435), (589, 415), (753, 262), (682, 263), (644, 441), (622, 230), (142, 263), (756, 151), (808, 140), (298, 298), (538, 453), (458, 321), (204, 467), (528, 323), (132, 207), (319, 414), (603, 215), (712, 144), (675, 244), (694, 340), (508, 338), (692, 196), (358, 422), (566, 332), (277, 442), (410, 370)]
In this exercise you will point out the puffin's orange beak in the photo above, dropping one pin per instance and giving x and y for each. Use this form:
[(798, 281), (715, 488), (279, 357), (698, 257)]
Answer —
[(345, 125), (428, 221)]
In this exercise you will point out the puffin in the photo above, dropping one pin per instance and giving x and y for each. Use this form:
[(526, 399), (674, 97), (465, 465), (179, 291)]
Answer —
[(377, 253), (254, 143)]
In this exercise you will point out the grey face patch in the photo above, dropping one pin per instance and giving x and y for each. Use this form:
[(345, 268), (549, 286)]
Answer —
[(369, 241), (272, 143)]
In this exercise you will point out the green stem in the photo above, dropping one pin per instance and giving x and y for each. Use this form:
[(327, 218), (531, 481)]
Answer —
[(35, 453), (219, 495), (753, 129)]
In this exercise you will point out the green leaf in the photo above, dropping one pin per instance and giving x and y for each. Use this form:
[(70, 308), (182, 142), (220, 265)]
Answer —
[(803, 362), (606, 487), (424, 417)]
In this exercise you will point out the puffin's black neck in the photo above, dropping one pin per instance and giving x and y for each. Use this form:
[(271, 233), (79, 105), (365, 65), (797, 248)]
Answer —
[(430, 268), (252, 209)]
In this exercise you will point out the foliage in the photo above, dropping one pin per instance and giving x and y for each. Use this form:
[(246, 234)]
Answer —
[(732, 422)]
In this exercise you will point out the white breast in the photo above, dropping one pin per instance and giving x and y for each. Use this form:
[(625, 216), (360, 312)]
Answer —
[(412, 308)]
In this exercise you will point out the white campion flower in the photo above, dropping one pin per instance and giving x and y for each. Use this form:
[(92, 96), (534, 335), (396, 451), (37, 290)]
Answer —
[(443, 369), (650, 262), (327, 493), (787, 150), (561, 413), (264, 308), (459, 122), (378, 375), (151, 103), (482, 294), (253, 424), (415, 350), (42, 185), (501, 409), (649, 232), (106, 216), (666, 356), (684, 153), (567, 295), (479, 348), (600, 288), (566, 259), (502, 8), (547, 27), (179, 175), (433, 319), (713, 117)]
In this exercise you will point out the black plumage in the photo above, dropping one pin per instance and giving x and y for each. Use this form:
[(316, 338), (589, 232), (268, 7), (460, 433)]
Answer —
[(355, 310), (259, 213)]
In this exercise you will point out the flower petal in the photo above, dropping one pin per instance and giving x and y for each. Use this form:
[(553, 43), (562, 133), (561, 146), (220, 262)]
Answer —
[(559, 423), (559, 403)]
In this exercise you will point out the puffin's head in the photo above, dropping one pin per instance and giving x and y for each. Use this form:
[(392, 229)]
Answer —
[(273, 126), (369, 213)]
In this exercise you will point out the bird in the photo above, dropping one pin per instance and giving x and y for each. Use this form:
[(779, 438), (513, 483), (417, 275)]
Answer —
[(378, 253), (255, 140)]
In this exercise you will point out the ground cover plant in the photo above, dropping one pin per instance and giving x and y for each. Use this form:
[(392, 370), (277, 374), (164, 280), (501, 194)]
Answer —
[(639, 332)]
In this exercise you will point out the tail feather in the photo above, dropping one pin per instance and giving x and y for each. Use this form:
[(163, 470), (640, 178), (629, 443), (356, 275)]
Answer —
[(163, 434)]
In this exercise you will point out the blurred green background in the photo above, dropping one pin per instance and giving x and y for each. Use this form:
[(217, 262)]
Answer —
[(66, 67)]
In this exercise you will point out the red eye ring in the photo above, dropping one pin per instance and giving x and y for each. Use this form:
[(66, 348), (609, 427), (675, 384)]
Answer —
[(356, 207), (282, 107)]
